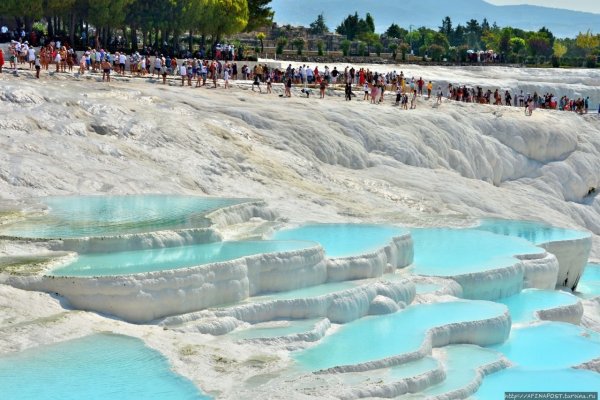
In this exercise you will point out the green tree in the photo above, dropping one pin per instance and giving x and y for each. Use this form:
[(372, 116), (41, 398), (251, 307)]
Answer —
[(587, 42), (446, 28), (345, 46), (504, 41), (462, 53), (546, 32), (473, 34), (318, 26), (490, 40), (353, 26), (299, 44), (362, 49), (404, 48), (320, 47), (107, 13), (259, 14), (539, 45), (26, 9), (225, 17), (378, 48), (414, 38), (369, 38), (458, 37), (281, 43), (436, 52), (370, 23), (261, 38), (485, 25), (394, 31), (559, 49), (437, 38), (518, 47), (394, 49)]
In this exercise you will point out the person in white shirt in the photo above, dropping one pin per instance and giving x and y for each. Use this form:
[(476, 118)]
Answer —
[(122, 61), (157, 65), (31, 57), (183, 72)]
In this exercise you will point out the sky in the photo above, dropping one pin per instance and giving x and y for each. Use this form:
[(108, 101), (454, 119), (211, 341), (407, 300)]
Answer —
[(578, 5)]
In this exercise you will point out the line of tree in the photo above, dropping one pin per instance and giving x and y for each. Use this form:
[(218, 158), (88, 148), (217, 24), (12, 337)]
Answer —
[(158, 22), (455, 43)]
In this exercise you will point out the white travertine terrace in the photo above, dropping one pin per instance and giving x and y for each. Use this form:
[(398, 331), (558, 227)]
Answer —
[(572, 258), (455, 162)]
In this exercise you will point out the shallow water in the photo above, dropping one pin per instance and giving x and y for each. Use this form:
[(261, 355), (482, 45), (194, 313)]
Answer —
[(524, 305), (534, 232), (102, 366), (392, 334), (589, 284), (148, 260), (523, 380), (344, 240), (449, 252), (90, 216), (461, 363), (550, 346)]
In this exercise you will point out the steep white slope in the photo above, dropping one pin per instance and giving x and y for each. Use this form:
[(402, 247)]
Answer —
[(310, 160)]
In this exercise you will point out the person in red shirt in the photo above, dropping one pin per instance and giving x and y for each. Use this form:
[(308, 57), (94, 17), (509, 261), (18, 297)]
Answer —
[(1, 60)]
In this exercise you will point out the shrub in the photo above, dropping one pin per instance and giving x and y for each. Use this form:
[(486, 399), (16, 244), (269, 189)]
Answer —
[(590, 62), (320, 47), (345, 45), (281, 43)]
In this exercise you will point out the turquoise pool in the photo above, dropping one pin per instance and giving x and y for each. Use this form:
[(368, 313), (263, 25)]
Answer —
[(149, 260), (102, 366), (461, 362), (374, 338), (534, 232), (589, 284), (522, 380), (90, 216), (449, 252), (523, 306), (344, 240), (550, 346)]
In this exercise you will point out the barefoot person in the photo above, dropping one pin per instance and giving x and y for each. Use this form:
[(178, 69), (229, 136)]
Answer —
[(38, 66), (256, 83), (105, 66)]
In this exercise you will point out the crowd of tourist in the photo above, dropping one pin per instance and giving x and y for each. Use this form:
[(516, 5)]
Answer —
[(197, 72)]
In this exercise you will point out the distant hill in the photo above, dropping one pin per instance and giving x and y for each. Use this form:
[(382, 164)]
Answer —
[(429, 13)]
